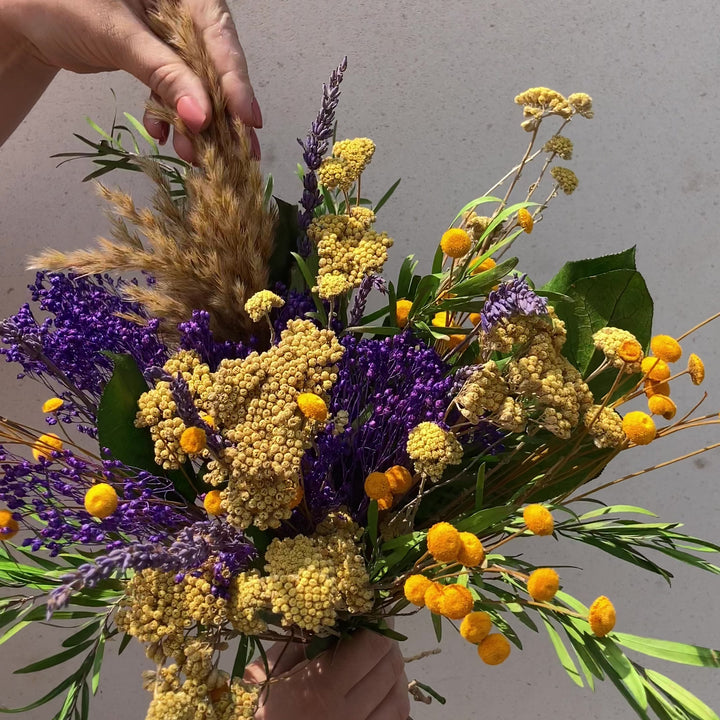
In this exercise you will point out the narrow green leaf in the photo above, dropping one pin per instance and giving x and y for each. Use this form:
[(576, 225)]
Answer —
[(142, 132), (83, 634), (668, 650), (437, 262), (85, 702), (479, 487), (56, 659), (97, 662), (99, 130), (437, 625), (616, 509), (662, 707), (405, 276), (243, 654), (310, 282), (693, 705), (563, 655), (483, 519), (624, 669), (124, 643), (473, 204), (373, 330), (372, 522), (388, 194)]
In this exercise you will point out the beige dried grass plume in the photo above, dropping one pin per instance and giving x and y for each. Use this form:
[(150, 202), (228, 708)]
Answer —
[(212, 250)]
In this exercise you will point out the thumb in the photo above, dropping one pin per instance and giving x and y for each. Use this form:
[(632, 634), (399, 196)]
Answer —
[(154, 63)]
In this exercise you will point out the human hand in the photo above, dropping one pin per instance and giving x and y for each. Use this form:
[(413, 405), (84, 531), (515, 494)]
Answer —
[(362, 678), (105, 35)]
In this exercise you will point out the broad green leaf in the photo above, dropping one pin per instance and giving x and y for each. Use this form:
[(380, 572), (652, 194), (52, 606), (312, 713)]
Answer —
[(473, 204), (563, 655), (669, 650), (693, 705), (405, 275), (576, 269)]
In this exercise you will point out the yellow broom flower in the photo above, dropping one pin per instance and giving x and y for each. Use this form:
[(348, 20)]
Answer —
[(542, 584), (662, 405), (415, 588), (101, 500), (472, 552), (456, 602), (475, 627), (443, 542), (377, 486), (52, 404)]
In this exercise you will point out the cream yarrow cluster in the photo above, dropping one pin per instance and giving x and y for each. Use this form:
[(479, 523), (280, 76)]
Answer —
[(349, 159), (483, 392), (620, 347), (432, 449), (605, 426)]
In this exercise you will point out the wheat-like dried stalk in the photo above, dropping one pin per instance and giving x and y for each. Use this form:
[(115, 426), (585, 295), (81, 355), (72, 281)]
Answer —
[(211, 251)]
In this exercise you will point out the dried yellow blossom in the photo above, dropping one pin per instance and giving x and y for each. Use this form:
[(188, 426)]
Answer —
[(101, 500), (582, 104), (45, 445), (455, 242), (602, 616), (539, 102), (357, 153), (565, 178), (432, 449), (560, 145), (662, 405), (542, 584), (604, 426), (335, 172), (494, 649), (9, 526), (696, 369), (525, 220), (261, 303), (483, 392), (538, 519), (639, 427), (665, 347), (617, 345)]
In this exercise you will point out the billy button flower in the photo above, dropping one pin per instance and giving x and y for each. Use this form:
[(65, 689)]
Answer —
[(666, 348), (475, 627), (542, 584), (399, 478), (494, 649), (456, 602), (299, 495), (433, 596), (696, 369), (101, 500), (402, 312), (443, 542), (475, 318), (45, 445), (472, 552), (52, 404), (455, 243), (601, 616), (662, 405), (212, 503), (385, 502), (193, 440), (538, 520), (8, 525), (312, 406), (486, 264), (657, 388), (415, 588), (525, 220), (377, 486), (655, 369), (639, 427), (630, 351)]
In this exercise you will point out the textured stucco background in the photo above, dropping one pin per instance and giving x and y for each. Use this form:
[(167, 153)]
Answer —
[(433, 85)]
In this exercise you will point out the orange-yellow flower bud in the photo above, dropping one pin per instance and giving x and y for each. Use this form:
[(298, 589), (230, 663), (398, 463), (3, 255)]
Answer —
[(8, 525), (486, 264), (475, 318), (472, 552), (525, 220), (639, 427), (630, 351), (433, 596), (312, 406), (657, 388), (212, 503), (415, 588), (377, 486), (655, 369), (666, 348), (52, 404), (193, 440), (400, 479), (475, 627), (45, 445), (539, 520), (696, 369), (662, 405), (402, 312), (455, 242), (456, 602), (101, 500)]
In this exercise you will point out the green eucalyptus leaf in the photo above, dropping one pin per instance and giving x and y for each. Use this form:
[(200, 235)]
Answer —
[(56, 659), (668, 650), (563, 655), (687, 701)]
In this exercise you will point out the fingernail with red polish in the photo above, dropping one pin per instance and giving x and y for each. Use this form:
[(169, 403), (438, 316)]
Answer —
[(191, 113), (257, 115)]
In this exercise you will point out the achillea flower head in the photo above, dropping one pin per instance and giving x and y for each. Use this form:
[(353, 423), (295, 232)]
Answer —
[(602, 616), (560, 145), (475, 627), (399, 478), (456, 602), (662, 405), (455, 242), (101, 500), (542, 584), (52, 404), (565, 178), (538, 519), (604, 426), (377, 486), (45, 445), (472, 552), (193, 440), (581, 104), (9, 526), (432, 449), (494, 649), (511, 298), (261, 303), (213, 503), (620, 347), (655, 369), (696, 369), (415, 588), (443, 542), (639, 427), (525, 220), (312, 406), (666, 348)]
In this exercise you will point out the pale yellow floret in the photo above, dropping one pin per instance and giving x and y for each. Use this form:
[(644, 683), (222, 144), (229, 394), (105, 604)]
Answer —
[(261, 303), (432, 449), (483, 392), (620, 347), (604, 426)]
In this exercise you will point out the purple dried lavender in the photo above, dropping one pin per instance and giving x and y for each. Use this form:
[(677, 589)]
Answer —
[(195, 334), (361, 297), (315, 146), (511, 298)]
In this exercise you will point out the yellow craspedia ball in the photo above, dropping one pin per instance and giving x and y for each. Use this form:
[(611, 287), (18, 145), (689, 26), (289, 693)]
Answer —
[(415, 588), (101, 500), (441, 319), (630, 351), (455, 242), (44, 445), (639, 427), (486, 264), (402, 312), (662, 405), (666, 348), (475, 318), (454, 340), (193, 440), (456, 602), (539, 520), (385, 502), (696, 369), (52, 404), (209, 420), (655, 369), (472, 552), (657, 388), (312, 406), (443, 542), (377, 486), (475, 627), (601, 616), (525, 220), (8, 525), (433, 596), (542, 584), (400, 479), (494, 649), (213, 503)]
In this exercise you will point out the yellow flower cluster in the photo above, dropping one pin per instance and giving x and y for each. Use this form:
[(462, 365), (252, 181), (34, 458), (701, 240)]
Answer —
[(261, 303), (560, 145), (604, 426), (349, 159), (432, 449), (348, 250), (582, 104), (620, 347), (483, 392), (447, 545), (539, 102)]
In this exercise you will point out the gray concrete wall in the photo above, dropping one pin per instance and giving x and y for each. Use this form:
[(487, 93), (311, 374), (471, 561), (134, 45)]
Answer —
[(433, 85)]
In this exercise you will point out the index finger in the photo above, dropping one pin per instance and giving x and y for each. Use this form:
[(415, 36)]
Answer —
[(355, 657), (216, 25)]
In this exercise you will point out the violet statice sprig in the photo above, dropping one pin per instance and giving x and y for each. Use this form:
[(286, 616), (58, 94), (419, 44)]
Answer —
[(511, 298), (195, 334), (361, 297), (193, 546), (314, 147)]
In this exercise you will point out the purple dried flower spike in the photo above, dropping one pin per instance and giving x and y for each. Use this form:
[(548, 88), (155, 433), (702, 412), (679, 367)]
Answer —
[(511, 298)]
